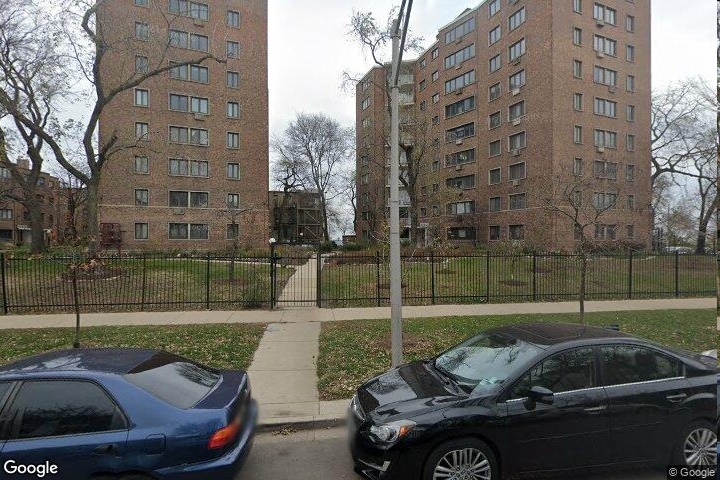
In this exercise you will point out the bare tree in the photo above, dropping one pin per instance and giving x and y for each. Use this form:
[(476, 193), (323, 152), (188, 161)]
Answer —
[(90, 48), (234, 215), (313, 149), (706, 166)]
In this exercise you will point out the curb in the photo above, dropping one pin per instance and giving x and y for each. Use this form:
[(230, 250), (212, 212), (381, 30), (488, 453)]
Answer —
[(281, 424)]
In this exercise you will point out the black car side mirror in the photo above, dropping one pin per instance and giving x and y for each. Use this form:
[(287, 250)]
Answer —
[(541, 395)]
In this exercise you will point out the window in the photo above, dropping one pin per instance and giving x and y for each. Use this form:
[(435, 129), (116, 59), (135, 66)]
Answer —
[(141, 64), (605, 76), (233, 19), (494, 35), (365, 179), (516, 19), (180, 231), (577, 101), (577, 36), (459, 158), (577, 167), (141, 3), (179, 103), (435, 75), (495, 204), (577, 6), (199, 42), (516, 232), (178, 38), (365, 103), (141, 197), (233, 200), (604, 14), (630, 83), (142, 131), (182, 103), (629, 173), (516, 141), (630, 53), (436, 210), (141, 231), (630, 142), (423, 63), (630, 23), (577, 134), (517, 201), (493, 8), (516, 110), (563, 372), (467, 130), (631, 202), (516, 171), (192, 136), (232, 49), (516, 80), (605, 232), (605, 138), (196, 10), (495, 148), (422, 85), (577, 69), (460, 56), (6, 214), (462, 106), (630, 113), (461, 233), (494, 120), (606, 108), (233, 79), (631, 364), (51, 408), (630, 231), (459, 82), (494, 176), (494, 91), (460, 208), (494, 232), (233, 110), (199, 105), (436, 98), (423, 106), (187, 168), (604, 169), (604, 201), (232, 231), (233, 140), (465, 182), (141, 97), (142, 31), (5, 172), (605, 45), (495, 63), (461, 30), (434, 54), (516, 50), (177, 199)]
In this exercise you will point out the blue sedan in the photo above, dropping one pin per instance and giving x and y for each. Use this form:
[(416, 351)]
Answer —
[(125, 414)]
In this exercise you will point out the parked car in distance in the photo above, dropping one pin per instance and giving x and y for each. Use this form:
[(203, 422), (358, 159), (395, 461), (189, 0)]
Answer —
[(124, 414), (682, 250), (532, 398)]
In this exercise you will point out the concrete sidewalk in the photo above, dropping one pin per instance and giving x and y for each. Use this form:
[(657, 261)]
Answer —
[(313, 314)]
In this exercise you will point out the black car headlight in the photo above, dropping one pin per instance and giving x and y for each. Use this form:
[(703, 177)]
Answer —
[(393, 431)]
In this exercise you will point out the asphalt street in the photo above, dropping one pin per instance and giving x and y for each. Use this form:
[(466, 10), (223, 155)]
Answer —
[(323, 454)]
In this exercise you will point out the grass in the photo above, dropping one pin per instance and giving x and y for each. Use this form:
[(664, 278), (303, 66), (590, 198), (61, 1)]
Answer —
[(353, 281), (216, 345), (356, 350)]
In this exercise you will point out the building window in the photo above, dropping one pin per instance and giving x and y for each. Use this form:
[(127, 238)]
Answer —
[(461, 233), (141, 3), (142, 131), (460, 158), (6, 214), (180, 231), (605, 170), (141, 197), (631, 202), (516, 110), (630, 23), (494, 91), (517, 201), (516, 171), (577, 36), (517, 232), (141, 64), (233, 200), (460, 208), (630, 173), (5, 172), (141, 97), (630, 142), (494, 232), (604, 14), (460, 31), (630, 113), (578, 167), (630, 53), (516, 80), (459, 82), (516, 50), (494, 35), (577, 6), (232, 231), (183, 103), (233, 140), (494, 120), (141, 231), (142, 164), (199, 42), (577, 134), (516, 141), (459, 57), (462, 183), (423, 106), (194, 73), (180, 167), (495, 148), (606, 108), (493, 8), (434, 54), (233, 79), (142, 31), (516, 19), (457, 133), (436, 98), (495, 63), (462, 106), (604, 201), (577, 101), (630, 83), (577, 69), (233, 110), (196, 10), (605, 139), (630, 231), (232, 49), (604, 232), (423, 63), (365, 103), (494, 176), (188, 136), (605, 45), (421, 86), (178, 38), (605, 76), (494, 204), (233, 19)]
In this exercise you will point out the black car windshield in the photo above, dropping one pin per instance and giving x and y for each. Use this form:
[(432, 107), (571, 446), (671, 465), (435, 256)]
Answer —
[(485, 360)]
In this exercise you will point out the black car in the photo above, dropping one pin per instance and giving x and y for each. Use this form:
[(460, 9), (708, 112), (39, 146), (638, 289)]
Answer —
[(536, 398)]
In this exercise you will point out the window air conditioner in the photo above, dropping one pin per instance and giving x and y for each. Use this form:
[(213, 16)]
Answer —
[(198, 23), (199, 117), (516, 122), (599, 54), (459, 141), (458, 91), (458, 66), (515, 183), (600, 22), (515, 91), (179, 211), (515, 152), (611, 89), (458, 167), (600, 149)]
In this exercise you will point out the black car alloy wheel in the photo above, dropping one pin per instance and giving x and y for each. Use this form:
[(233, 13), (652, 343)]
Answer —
[(462, 459), (699, 445)]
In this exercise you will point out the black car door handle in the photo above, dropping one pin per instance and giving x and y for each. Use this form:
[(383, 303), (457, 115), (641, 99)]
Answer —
[(104, 449), (597, 409), (677, 398)]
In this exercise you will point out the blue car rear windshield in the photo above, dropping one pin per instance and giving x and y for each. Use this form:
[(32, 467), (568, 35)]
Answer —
[(174, 380)]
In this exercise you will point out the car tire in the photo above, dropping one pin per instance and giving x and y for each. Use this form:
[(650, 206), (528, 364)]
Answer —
[(454, 455), (702, 433)]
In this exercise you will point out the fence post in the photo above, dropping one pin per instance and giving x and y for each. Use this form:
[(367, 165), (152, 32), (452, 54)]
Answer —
[(534, 277), (487, 276), (677, 283), (432, 276), (207, 281), (377, 274), (144, 281), (318, 277), (4, 287), (630, 275)]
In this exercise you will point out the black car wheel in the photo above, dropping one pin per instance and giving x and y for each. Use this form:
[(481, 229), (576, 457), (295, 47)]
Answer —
[(698, 445), (462, 459)]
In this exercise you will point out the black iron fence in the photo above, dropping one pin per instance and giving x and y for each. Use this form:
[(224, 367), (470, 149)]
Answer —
[(209, 281)]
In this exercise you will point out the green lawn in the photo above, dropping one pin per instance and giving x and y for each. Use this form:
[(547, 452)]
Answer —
[(353, 281), (217, 345), (353, 351)]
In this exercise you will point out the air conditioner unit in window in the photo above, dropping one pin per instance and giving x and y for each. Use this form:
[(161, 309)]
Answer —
[(599, 54), (458, 167), (458, 66), (611, 89), (198, 23), (600, 22), (200, 117), (600, 149), (459, 141), (516, 122), (515, 91), (458, 91), (179, 211), (515, 152), (515, 183)]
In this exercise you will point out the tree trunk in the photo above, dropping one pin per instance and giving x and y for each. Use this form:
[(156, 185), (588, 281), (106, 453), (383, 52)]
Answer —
[(701, 240), (326, 232), (93, 227), (583, 283), (37, 231)]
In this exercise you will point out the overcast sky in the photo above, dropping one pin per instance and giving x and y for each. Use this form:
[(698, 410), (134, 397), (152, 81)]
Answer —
[(310, 48)]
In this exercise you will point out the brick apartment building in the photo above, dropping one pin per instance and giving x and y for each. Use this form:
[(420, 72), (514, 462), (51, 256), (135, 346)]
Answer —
[(197, 175), (296, 217), (527, 103)]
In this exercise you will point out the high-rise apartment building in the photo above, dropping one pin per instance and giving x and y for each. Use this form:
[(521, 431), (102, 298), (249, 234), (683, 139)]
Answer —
[(523, 110), (196, 173)]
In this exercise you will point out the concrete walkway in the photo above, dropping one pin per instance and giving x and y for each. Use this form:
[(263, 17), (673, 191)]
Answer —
[(301, 288), (313, 314)]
